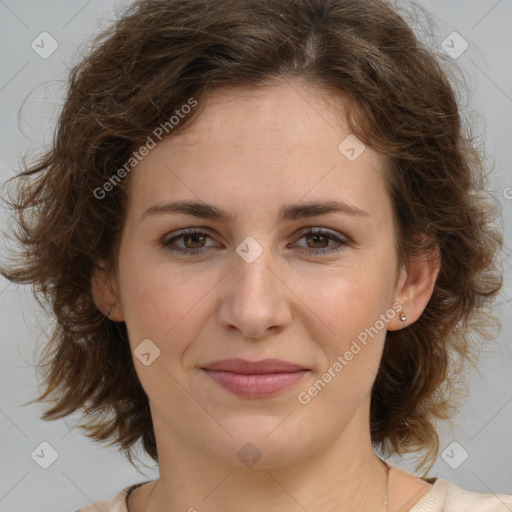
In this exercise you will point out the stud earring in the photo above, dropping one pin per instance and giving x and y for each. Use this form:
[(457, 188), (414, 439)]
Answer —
[(403, 317)]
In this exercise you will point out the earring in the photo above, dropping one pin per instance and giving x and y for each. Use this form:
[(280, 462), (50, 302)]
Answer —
[(403, 317)]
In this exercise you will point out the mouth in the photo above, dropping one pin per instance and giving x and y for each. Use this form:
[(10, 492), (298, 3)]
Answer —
[(255, 379)]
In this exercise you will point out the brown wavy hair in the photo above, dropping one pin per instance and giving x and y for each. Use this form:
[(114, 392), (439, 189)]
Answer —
[(148, 64)]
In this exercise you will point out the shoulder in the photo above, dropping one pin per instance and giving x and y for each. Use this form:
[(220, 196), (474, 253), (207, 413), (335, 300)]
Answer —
[(114, 504), (445, 496), (458, 500)]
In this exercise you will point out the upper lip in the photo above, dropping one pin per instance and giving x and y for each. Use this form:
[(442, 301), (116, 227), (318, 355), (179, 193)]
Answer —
[(253, 367)]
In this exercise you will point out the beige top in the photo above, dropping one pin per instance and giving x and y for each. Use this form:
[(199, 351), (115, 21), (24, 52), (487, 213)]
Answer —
[(443, 496)]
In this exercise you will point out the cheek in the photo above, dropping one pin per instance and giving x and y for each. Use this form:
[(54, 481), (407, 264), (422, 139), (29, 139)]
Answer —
[(351, 303), (164, 303), (165, 306), (350, 299)]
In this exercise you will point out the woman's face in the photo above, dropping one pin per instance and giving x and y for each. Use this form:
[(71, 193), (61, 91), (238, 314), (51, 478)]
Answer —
[(256, 286)]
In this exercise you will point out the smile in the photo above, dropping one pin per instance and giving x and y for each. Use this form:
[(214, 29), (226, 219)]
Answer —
[(255, 385), (257, 379)]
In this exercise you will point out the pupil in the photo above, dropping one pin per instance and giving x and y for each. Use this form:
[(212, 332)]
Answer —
[(316, 237), (194, 237)]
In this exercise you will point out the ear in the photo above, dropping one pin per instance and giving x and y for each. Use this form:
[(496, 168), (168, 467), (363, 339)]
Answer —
[(104, 292), (414, 289)]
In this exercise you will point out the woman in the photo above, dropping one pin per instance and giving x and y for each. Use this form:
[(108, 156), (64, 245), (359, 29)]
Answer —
[(263, 233)]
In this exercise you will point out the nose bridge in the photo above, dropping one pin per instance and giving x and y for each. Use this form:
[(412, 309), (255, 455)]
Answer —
[(255, 300), (252, 275), (252, 266)]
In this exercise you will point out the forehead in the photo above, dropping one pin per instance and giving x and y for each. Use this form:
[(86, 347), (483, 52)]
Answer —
[(272, 145), (292, 110)]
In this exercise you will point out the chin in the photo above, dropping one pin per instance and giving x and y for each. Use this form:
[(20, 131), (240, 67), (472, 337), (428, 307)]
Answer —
[(264, 442)]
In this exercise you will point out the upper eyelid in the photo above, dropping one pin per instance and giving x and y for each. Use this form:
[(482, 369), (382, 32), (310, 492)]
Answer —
[(200, 230), (187, 231)]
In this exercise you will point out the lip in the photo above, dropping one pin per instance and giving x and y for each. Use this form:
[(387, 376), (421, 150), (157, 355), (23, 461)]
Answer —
[(238, 365), (255, 379)]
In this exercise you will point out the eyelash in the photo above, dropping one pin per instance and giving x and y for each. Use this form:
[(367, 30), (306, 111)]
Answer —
[(309, 252)]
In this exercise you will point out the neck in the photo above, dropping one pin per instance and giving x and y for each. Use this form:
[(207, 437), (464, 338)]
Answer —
[(345, 476)]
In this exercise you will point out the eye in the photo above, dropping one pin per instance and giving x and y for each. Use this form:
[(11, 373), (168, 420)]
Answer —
[(190, 237), (194, 241), (321, 237)]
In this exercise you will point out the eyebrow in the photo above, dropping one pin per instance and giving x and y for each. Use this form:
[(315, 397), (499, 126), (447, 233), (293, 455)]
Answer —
[(287, 212)]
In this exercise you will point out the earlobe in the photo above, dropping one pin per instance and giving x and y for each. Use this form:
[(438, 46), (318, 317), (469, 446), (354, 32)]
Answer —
[(414, 289), (104, 293)]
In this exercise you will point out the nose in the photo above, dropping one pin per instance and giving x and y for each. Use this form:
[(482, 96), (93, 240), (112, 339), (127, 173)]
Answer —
[(255, 298)]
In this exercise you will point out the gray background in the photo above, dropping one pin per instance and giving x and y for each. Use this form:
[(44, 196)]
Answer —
[(84, 471)]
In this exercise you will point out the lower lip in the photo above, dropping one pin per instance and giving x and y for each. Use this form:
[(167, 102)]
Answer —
[(255, 385)]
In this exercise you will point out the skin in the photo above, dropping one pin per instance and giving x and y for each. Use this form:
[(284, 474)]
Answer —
[(250, 152)]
